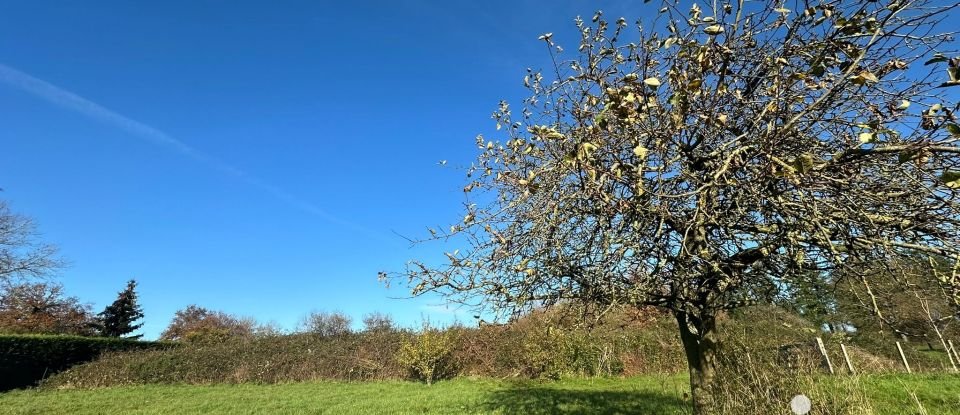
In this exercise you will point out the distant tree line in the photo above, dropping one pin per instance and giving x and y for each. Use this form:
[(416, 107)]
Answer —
[(30, 303)]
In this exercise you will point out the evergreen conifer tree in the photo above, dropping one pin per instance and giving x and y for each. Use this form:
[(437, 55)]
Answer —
[(119, 318)]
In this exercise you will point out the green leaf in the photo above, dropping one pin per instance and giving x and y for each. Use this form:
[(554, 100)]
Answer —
[(906, 156), (804, 163), (951, 179), (939, 57), (954, 129), (818, 70)]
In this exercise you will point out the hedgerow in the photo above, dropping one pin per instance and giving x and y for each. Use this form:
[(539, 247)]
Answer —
[(26, 359)]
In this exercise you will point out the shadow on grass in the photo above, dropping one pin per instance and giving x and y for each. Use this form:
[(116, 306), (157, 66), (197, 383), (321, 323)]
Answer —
[(538, 399)]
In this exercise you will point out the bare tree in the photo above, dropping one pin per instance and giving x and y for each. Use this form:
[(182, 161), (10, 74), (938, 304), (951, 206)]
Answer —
[(22, 255), (704, 160), (377, 322), (326, 324)]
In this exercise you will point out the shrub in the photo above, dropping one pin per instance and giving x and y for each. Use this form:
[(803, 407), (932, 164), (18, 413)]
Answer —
[(538, 345), (551, 352), (276, 359), (554, 345), (429, 355), (27, 359), (199, 324)]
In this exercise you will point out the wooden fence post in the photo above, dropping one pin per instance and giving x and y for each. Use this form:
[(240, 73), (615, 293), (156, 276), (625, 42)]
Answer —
[(823, 351), (903, 357), (847, 358)]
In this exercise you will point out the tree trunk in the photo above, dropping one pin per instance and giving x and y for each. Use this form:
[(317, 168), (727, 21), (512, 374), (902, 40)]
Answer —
[(698, 334)]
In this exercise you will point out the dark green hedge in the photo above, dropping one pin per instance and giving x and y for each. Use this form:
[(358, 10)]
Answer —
[(27, 359)]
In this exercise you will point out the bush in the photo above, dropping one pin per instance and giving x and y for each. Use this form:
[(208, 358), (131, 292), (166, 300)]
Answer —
[(546, 345), (198, 324), (27, 359), (429, 355), (552, 345), (288, 358)]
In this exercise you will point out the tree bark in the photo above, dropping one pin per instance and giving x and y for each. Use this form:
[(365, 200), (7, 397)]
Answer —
[(698, 335)]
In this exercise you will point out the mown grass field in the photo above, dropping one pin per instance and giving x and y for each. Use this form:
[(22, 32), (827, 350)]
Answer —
[(889, 394)]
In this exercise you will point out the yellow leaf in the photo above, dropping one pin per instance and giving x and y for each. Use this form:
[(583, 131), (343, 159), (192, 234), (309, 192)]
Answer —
[(654, 82), (640, 151), (864, 77), (713, 30)]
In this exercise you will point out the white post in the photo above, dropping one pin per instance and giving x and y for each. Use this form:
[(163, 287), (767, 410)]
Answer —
[(847, 358), (823, 351), (952, 349), (904, 358)]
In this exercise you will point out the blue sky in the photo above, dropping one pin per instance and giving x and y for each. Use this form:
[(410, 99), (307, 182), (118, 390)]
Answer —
[(254, 157), (257, 157)]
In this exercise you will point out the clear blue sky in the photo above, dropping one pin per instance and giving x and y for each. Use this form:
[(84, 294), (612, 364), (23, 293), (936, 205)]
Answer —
[(255, 157)]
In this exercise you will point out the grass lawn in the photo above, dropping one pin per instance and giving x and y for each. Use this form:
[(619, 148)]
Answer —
[(641, 395)]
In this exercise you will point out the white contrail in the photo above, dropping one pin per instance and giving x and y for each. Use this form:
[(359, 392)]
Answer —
[(66, 99)]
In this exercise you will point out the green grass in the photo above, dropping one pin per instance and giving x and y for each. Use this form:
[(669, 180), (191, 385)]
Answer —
[(939, 394), (642, 395)]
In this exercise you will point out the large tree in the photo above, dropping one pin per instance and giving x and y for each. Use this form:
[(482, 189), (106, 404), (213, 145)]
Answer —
[(708, 157), (42, 308), (21, 253), (120, 317)]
